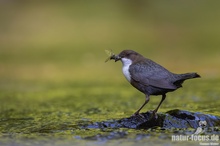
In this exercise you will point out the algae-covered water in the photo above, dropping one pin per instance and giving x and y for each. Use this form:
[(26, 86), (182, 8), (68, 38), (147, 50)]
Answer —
[(53, 78), (54, 113)]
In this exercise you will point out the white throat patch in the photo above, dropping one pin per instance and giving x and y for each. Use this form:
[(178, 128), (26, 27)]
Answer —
[(126, 63)]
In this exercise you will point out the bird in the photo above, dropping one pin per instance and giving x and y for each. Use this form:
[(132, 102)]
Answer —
[(202, 128), (149, 77)]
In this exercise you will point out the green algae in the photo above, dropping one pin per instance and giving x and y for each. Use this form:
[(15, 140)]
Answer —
[(58, 111)]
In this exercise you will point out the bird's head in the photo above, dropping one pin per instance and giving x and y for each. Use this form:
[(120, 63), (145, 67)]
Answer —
[(126, 55), (202, 124)]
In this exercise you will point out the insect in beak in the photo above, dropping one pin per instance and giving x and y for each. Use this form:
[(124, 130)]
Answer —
[(116, 58), (112, 56)]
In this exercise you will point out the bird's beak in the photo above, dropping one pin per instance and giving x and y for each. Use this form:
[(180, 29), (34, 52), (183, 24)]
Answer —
[(115, 57)]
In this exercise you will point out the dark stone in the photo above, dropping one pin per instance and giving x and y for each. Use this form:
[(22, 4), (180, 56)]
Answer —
[(171, 119)]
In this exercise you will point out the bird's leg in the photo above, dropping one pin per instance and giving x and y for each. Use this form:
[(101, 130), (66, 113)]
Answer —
[(163, 98), (146, 101)]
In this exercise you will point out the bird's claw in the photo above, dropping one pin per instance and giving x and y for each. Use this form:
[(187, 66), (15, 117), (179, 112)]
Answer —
[(154, 114), (139, 115)]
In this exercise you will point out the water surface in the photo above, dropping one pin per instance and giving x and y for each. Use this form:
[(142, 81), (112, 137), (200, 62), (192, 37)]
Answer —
[(53, 113)]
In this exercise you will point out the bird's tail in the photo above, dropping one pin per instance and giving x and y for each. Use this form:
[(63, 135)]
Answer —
[(182, 77), (189, 75)]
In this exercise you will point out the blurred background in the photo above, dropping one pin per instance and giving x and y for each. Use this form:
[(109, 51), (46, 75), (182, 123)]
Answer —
[(65, 40), (53, 74)]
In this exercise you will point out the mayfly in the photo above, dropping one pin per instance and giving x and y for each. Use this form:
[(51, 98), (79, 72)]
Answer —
[(110, 54)]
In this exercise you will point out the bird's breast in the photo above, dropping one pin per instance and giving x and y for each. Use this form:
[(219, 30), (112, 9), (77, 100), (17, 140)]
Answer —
[(125, 69)]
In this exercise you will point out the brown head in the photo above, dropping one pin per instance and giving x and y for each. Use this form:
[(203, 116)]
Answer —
[(127, 54)]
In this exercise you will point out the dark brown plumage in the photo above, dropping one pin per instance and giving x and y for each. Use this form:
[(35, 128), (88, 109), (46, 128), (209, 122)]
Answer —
[(149, 77)]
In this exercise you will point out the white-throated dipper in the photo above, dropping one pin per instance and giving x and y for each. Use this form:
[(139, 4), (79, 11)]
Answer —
[(149, 77)]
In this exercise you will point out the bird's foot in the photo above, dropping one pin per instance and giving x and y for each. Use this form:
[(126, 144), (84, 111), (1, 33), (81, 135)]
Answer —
[(154, 114), (137, 114)]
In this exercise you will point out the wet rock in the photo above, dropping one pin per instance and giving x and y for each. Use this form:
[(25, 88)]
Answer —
[(171, 119)]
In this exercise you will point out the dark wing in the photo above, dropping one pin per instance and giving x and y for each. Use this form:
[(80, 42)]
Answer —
[(151, 73)]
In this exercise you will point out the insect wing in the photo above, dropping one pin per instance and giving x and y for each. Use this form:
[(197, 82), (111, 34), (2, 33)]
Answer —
[(110, 54), (108, 59)]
